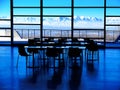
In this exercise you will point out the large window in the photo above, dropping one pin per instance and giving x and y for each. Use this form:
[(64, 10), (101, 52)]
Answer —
[(98, 20), (26, 19), (88, 19), (113, 21), (5, 24), (57, 18)]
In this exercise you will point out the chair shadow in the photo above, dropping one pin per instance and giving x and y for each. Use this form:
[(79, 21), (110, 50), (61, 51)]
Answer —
[(76, 74), (90, 67), (56, 79)]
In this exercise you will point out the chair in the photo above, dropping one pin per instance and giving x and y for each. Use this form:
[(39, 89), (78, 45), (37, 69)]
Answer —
[(60, 53), (22, 52), (52, 53), (75, 53), (37, 41), (92, 51), (31, 42)]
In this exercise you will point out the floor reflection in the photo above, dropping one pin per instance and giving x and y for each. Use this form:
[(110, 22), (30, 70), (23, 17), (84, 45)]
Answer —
[(56, 79), (75, 79)]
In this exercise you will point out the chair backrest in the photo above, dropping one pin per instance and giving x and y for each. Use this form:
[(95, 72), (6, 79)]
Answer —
[(74, 52), (22, 51), (51, 52), (92, 47), (31, 42)]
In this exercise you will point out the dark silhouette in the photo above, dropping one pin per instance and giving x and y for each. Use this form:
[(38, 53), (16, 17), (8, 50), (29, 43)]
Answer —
[(22, 52), (75, 79), (56, 79)]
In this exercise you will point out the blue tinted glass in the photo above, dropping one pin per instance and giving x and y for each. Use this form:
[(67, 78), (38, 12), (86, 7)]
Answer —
[(4, 9), (56, 11), (113, 11), (26, 11), (113, 2), (56, 2), (88, 2), (26, 2)]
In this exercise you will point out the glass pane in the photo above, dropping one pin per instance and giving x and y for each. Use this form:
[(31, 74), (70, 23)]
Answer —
[(5, 32), (57, 11), (5, 9), (76, 33), (26, 11), (113, 20), (112, 33), (26, 2), (61, 23), (5, 24), (27, 20), (26, 26), (5, 39), (89, 33), (25, 34), (89, 18), (88, 3), (56, 2), (57, 26), (113, 2), (111, 28), (113, 11)]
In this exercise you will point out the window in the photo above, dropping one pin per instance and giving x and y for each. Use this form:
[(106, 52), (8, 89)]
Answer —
[(88, 3)]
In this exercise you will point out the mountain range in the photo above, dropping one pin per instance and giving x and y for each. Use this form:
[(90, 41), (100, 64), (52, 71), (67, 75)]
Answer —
[(64, 22), (58, 19)]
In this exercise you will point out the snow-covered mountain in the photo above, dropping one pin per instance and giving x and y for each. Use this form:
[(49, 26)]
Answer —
[(58, 19), (64, 22), (86, 18)]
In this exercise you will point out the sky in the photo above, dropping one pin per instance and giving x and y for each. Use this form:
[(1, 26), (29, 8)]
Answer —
[(91, 12), (5, 7)]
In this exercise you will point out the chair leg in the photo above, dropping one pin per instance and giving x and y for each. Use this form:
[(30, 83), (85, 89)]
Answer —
[(17, 61)]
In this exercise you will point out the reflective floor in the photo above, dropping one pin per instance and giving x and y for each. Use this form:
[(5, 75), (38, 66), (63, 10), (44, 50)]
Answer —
[(104, 75)]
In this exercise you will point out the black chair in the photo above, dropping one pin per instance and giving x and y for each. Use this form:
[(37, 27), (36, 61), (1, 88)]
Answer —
[(22, 52), (92, 51), (51, 53), (31, 42), (37, 41), (60, 56), (75, 53)]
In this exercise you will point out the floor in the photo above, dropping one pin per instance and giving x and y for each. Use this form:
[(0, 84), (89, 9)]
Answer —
[(104, 75)]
